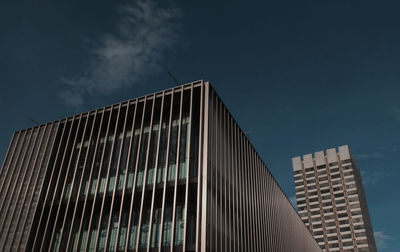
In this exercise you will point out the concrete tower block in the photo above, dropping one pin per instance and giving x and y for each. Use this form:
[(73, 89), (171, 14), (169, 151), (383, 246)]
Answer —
[(319, 158), (308, 161), (296, 162), (344, 152), (331, 155)]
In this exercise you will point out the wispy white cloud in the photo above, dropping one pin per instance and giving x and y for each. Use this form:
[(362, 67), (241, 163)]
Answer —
[(371, 178), (369, 155), (146, 30), (382, 239)]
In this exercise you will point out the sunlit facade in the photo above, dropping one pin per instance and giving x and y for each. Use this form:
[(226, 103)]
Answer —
[(170, 171), (331, 200)]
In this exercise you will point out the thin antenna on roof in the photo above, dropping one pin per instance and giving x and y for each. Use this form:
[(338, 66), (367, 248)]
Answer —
[(173, 78), (35, 122)]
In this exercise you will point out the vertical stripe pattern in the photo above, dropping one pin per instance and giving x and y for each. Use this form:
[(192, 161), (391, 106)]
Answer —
[(246, 209), (170, 171), (23, 170)]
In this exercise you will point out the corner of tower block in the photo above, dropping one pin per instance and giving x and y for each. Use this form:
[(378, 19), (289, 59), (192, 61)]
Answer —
[(296, 163), (344, 152)]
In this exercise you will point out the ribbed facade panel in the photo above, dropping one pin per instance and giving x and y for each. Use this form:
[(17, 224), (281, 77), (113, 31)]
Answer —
[(26, 161), (246, 209), (170, 171), (125, 178)]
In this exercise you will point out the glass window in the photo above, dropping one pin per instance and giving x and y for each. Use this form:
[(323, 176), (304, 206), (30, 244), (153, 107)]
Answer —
[(123, 229), (166, 241), (113, 231), (179, 225), (144, 232), (93, 235), (132, 161), (173, 150), (103, 233), (162, 155), (133, 230), (155, 231), (134, 147), (152, 154), (184, 147), (142, 156)]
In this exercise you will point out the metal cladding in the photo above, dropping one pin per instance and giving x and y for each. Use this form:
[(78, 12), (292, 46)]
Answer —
[(246, 210), (171, 171)]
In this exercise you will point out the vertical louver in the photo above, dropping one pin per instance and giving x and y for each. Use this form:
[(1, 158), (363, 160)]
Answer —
[(171, 171)]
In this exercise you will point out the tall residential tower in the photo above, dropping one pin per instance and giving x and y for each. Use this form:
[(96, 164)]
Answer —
[(170, 171), (331, 200)]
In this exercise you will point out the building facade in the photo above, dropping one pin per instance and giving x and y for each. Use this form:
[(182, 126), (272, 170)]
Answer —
[(331, 200), (170, 171)]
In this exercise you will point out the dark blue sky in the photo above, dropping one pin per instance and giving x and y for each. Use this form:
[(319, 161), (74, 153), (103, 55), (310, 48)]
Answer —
[(300, 76)]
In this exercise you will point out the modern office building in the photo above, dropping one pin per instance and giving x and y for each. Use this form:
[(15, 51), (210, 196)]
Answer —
[(170, 171), (331, 200)]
